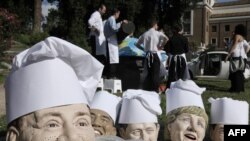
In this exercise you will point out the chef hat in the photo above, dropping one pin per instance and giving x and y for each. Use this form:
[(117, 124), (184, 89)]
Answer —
[(229, 111), (184, 93), (106, 102), (51, 73), (139, 106)]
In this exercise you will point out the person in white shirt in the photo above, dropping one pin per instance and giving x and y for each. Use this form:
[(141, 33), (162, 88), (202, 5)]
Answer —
[(111, 27), (239, 49), (97, 38), (151, 41)]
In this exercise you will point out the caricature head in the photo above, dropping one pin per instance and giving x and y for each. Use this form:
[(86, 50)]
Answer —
[(104, 115), (185, 123), (138, 116), (186, 117), (226, 111), (47, 94)]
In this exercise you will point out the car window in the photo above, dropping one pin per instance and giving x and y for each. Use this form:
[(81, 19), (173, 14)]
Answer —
[(215, 57)]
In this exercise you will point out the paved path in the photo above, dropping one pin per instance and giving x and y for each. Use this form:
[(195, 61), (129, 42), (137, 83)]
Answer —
[(2, 101)]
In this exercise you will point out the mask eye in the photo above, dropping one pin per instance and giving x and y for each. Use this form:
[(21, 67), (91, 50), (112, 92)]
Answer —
[(52, 124), (136, 133), (82, 123), (150, 130), (201, 124)]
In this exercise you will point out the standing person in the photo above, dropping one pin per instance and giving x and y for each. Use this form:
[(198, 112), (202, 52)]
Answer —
[(176, 48), (238, 50), (111, 27), (151, 40), (97, 38)]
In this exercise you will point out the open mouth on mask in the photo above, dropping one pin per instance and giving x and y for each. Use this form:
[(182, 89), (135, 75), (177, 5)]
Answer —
[(190, 136), (98, 132)]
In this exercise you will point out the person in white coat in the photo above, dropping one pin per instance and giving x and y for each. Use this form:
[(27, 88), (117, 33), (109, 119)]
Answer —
[(111, 27), (97, 38)]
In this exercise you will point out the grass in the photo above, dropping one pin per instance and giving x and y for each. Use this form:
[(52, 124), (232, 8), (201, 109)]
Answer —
[(3, 125), (218, 89)]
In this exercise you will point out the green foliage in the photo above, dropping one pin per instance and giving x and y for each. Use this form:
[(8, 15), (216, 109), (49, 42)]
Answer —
[(31, 39), (37, 37), (24, 9), (8, 24), (23, 38)]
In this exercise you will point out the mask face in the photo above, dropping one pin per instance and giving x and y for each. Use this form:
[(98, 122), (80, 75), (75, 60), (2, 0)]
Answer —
[(144, 131), (65, 123), (217, 134), (102, 123), (187, 127)]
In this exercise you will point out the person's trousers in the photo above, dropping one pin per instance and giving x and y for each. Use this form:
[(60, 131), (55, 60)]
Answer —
[(237, 81), (152, 79), (176, 70)]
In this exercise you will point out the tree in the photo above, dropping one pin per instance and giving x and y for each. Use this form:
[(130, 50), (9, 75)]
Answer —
[(37, 15), (9, 23)]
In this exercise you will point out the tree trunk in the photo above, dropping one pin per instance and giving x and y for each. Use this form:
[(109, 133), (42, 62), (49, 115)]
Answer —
[(37, 15)]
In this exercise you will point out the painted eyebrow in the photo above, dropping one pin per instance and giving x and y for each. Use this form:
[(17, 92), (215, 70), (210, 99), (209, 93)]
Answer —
[(58, 114), (53, 114), (108, 117), (80, 113)]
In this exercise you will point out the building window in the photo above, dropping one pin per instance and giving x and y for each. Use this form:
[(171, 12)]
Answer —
[(214, 41), (227, 28), (188, 22), (214, 28)]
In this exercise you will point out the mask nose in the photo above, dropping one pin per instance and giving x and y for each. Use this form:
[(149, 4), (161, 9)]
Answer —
[(70, 138), (70, 134)]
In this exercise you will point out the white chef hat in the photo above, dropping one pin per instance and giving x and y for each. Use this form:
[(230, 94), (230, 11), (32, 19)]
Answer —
[(106, 102), (183, 93), (229, 111), (51, 73), (139, 106)]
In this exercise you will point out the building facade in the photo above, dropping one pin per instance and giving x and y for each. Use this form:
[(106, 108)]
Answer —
[(212, 24)]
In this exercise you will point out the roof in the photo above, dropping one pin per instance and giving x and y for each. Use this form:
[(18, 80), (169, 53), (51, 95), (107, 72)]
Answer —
[(239, 2)]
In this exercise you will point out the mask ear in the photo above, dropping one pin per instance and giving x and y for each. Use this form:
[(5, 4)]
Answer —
[(158, 127), (169, 127), (12, 134)]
